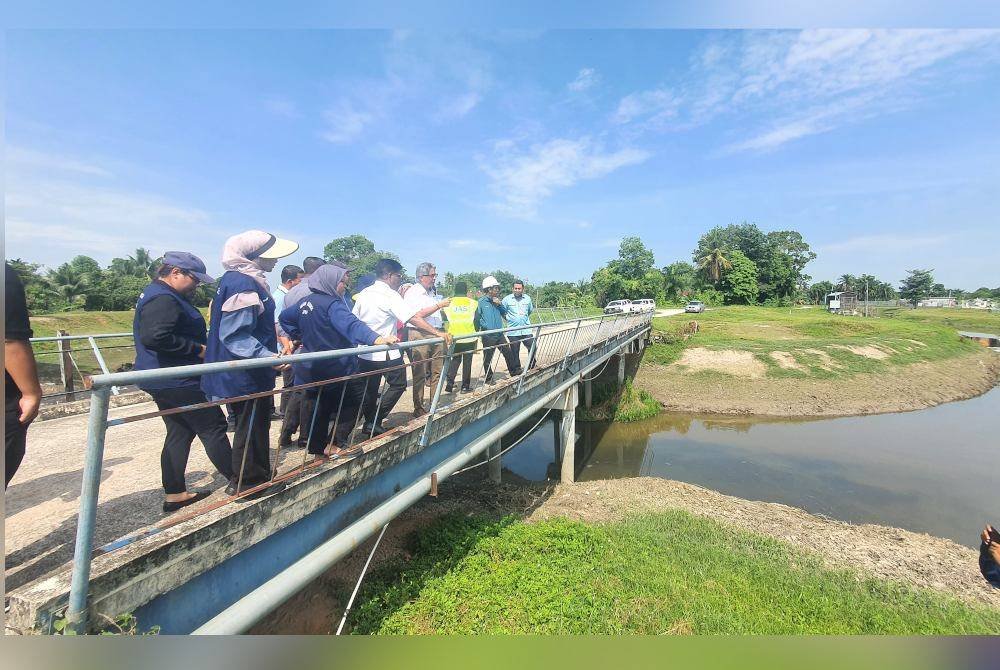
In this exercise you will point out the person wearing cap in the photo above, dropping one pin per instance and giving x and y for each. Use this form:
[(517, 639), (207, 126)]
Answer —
[(461, 313), (519, 308), (380, 307), (489, 316), (242, 319), (427, 359), (323, 322), (169, 331), (298, 410)]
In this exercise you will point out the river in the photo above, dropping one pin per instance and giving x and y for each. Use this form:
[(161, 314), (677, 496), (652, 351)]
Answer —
[(927, 471)]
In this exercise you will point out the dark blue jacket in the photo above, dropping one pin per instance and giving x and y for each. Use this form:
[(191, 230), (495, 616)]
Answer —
[(488, 315), (323, 323), (239, 382), (190, 326)]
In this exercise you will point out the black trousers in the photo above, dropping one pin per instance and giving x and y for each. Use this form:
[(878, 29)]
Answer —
[(252, 440), (345, 396), (395, 377), (464, 353), (15, 439), (515, 346), (490, 343), (287, 379), (208, 423), (298, 414)]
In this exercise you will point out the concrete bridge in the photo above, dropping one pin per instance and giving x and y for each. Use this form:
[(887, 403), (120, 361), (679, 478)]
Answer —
[(224, 565)]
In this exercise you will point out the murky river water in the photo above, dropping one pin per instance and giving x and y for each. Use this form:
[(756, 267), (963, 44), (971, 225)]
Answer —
[(933, 471)]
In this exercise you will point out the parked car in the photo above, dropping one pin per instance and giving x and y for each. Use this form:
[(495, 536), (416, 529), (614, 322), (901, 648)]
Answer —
[(619, 307), (644, 305), (694, 307)]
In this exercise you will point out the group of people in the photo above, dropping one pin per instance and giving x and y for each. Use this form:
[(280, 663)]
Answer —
[(313, 310)]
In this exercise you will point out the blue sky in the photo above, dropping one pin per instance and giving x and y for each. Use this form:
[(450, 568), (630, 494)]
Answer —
[(535, 151)]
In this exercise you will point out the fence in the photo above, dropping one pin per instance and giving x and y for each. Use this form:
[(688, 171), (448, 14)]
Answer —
[(108, 351), (550, 344)]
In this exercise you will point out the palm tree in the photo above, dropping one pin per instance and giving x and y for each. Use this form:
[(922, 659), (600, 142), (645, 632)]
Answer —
[(847, 282), (68, 282), (713, 263)]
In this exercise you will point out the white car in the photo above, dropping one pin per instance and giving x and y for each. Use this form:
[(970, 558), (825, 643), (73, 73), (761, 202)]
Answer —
[(619, 307), (644, 305)]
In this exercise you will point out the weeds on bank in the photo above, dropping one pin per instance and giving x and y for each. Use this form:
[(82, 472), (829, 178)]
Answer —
[(911, 336), (670, 573), (624, 405)]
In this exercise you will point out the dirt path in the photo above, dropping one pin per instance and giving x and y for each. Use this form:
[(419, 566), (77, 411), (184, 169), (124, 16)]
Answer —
[(889, 553), (911, 387)]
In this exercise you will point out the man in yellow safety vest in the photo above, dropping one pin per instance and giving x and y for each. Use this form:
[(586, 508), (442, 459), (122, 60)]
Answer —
[(461, 313)]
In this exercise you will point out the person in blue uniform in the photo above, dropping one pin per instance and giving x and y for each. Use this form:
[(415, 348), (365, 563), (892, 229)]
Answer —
[(168, 332), (242, 320), (323, 321)]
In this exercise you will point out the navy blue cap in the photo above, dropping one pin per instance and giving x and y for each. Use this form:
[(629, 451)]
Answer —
[(189, 262)]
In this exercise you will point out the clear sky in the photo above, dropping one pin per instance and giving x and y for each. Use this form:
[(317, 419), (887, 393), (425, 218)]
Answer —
[(534, 151)]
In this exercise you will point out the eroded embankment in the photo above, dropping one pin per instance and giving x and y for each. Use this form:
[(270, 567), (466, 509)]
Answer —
[(693, 385), (879, 551)]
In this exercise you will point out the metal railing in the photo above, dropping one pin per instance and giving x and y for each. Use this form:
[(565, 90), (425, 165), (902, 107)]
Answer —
[(552, 344), (67, 361)]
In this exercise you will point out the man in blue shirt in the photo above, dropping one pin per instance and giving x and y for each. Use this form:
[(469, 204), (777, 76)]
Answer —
[(519, 309)]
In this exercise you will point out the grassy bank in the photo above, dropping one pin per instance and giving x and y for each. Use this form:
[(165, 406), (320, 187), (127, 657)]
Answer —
[(624, 405), (813, 343), (667, 572)]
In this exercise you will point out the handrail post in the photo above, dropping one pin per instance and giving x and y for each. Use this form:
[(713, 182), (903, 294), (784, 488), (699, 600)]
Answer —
[(600, 327), (97, 426), (531, 353), (572, 341), (437, 394), (100, 360), (65, 365)]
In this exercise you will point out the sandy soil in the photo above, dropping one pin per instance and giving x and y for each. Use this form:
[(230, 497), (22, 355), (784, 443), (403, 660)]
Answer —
[(912, 387), (879, 551), (730, 361)]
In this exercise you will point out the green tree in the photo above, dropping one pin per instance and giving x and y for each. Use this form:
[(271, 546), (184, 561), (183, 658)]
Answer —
[(357, 252), (679, 280), (634, 259), (714, 263), (739, 283), (817, 292), (916, 286), (114, 292), (69, 283), (745, 237)]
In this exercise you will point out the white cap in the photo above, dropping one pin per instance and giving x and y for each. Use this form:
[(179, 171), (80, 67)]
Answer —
[(490, 281)]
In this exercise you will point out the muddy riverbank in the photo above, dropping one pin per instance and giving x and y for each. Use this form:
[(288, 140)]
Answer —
[(900, 389), (890, 553)]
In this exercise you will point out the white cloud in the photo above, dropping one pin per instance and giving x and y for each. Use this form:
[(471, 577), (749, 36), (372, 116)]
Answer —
[(21, 159), (808, 82), (585, 78), (51, 218), (523, 179), (887, 242), (478, 245), (345, 122)]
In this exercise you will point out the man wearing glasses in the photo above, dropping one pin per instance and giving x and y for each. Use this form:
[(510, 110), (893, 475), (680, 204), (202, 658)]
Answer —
[(422, 297), (169, 331), (379, 306)]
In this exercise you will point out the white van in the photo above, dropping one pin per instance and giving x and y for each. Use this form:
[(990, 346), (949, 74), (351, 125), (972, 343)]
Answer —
[(619, 307), (644, 305)]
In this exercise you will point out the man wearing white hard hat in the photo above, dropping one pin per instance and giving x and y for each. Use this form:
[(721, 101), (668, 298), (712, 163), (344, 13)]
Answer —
[(242, 321), (489, 316)]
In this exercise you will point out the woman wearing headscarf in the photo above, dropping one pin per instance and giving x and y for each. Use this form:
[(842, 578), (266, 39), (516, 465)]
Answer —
[(242, 318), (323, 321)]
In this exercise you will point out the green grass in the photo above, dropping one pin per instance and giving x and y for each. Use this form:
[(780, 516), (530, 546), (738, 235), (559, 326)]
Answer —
[(908, 336), (661, 573), (624, 405)]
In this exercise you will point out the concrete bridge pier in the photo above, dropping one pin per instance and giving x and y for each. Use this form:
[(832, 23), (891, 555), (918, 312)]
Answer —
[(566, 405), (495, 464)]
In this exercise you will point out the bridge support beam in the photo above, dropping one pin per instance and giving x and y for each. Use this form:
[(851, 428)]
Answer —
[(495, 464), (588, 394), (621, 369), (567, 434)]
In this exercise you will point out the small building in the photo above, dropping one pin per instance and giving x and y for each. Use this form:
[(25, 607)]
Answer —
[(940, 301), (978, 303), (842, 302)]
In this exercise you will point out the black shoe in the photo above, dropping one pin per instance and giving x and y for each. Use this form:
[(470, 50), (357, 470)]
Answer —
[(491, 381), (466, 389), (449, 389), (367, 429), (277, 416), (169, 506)]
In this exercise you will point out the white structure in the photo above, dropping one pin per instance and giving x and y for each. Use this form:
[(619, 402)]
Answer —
[(942, 301)]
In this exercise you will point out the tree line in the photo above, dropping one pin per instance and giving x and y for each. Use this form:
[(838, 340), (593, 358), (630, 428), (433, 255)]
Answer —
[(738, 264)]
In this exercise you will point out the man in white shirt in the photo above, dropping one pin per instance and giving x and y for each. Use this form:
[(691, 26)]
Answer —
[(422, 296), (379, 306)]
